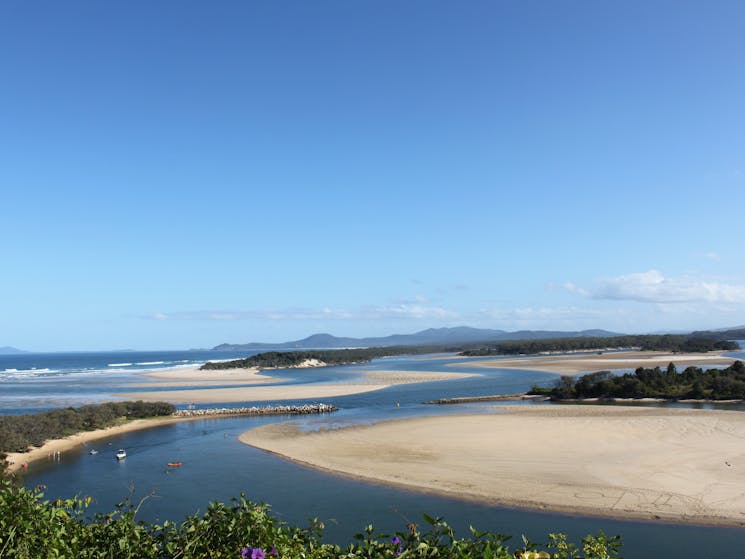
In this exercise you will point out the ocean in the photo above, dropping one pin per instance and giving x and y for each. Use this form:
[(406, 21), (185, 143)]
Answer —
[(32, 382)]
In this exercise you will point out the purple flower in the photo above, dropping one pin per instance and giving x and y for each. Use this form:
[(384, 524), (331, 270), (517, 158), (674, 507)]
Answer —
[(396, 540), (252, 553), (273, 551)]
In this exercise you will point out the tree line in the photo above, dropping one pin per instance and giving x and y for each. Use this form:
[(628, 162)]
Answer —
[(683, 343), (284, 359), (19, 432), (691, 383), (688, 343)]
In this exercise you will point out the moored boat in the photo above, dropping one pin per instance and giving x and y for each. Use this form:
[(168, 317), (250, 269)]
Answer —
[(121, 454), (174, 464)]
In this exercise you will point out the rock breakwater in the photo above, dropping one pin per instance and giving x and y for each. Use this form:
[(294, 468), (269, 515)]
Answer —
[(258, 410)]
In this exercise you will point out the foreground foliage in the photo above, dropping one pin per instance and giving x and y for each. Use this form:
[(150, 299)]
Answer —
[(19, 432), (692, 383), (31, 527)]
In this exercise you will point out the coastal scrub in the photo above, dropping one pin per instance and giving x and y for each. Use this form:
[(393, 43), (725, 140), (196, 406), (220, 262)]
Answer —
[(32, 527)]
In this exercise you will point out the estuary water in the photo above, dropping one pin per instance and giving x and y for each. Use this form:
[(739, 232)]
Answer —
[(218, 467)]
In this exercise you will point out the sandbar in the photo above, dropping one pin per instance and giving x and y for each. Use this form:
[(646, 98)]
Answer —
[(193, 376), (590, 362), (678, 465), (369, 381)]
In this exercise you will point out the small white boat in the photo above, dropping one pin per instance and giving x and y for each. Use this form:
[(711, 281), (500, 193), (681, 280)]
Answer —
[(92, 451), (121, 454)]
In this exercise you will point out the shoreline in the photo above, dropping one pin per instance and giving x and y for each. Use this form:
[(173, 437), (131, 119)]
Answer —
[(493, 398), (48, 449), (15, 460), (250, 388), (192, 375), (674, 465), (519, 505), (541, 398), (571, 364)]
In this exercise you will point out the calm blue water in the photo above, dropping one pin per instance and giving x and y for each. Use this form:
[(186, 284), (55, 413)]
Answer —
[(217, 466)]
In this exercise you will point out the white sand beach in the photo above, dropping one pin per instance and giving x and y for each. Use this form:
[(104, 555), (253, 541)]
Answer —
[(591, 362), (680, 465), (249, 389), (193, 376)]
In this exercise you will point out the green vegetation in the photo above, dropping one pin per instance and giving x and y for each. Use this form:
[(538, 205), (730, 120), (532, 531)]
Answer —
[(676, 343), (33, 528), (282, 359), (692, 383), (698, 342), (19, 432)]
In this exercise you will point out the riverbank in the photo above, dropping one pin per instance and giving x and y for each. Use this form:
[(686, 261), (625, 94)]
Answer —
[(16, 460), (50, 449), (677, 465), (591, 362), (248, 385)]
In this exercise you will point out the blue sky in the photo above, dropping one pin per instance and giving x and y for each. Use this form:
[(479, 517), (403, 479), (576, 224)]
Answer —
[(181, 174)]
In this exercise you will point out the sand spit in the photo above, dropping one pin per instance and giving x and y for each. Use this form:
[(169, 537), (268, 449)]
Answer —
[(372, 380), (678, 465), (193, 376), (590, 362)]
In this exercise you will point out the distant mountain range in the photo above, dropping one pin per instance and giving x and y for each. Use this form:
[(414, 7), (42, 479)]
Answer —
[(736, 333), (7, 350), (432, 336)]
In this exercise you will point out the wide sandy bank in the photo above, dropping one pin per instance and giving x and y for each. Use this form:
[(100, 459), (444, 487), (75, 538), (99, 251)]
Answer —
[(248, 391), (193, 376), (680, 465), (590, 362)]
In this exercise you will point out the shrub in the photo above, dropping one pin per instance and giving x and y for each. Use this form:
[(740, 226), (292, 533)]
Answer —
[(32, 527)]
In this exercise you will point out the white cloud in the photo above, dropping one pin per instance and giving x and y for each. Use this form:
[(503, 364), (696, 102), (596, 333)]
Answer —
[(572, 288), (415, 300), (227, 315), (541, 315), (653, 287), (396, 311), (408, 311)]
